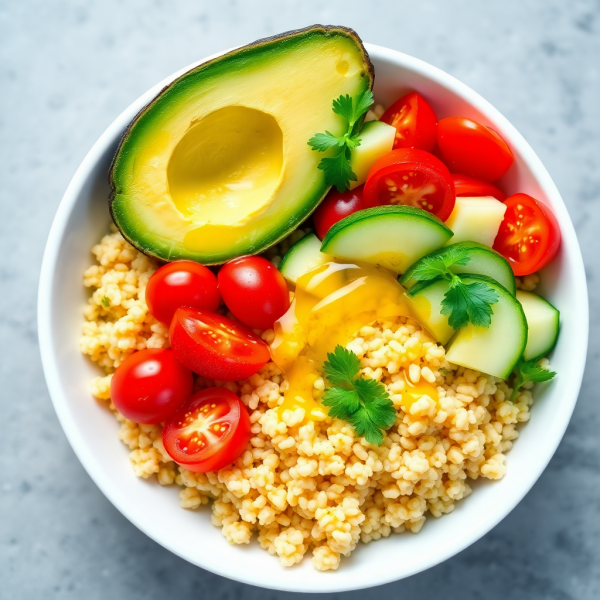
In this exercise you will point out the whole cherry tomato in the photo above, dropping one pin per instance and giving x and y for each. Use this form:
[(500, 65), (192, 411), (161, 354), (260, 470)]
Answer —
[(181, 283), (254, 291), (215, 346), (473, 149), (209, 431), (470, 187), (336, 206), (412, 178), (414, 120), (149, 385), (529, 235)]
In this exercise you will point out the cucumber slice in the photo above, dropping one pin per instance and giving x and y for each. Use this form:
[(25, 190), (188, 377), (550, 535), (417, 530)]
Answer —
[(376, 139), (391, 236), (497, 348), (476, 219), (543, 322), (483, 261), (302, 257), (426, 304)]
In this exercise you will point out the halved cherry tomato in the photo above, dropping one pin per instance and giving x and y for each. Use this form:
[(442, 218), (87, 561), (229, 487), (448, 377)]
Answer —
[(414, 120), (149, 385), (529, 235), (215, 346), (473, 149), (181, 283), (254, 291), (413, 178), (471, 187), (338, 205), (208, 432)]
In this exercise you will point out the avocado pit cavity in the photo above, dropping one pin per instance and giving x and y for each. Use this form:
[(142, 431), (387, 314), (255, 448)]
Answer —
[(227, 166)]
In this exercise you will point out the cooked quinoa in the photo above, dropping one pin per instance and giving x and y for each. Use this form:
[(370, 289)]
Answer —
[(314, 485)]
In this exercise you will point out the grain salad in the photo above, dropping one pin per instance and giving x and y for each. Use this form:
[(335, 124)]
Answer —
[(314, 486)]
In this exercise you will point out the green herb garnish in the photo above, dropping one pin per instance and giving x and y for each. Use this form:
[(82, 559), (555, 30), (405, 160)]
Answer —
[(464, 303), (530, 370), (105, 301), (364, 403), (336, 167)]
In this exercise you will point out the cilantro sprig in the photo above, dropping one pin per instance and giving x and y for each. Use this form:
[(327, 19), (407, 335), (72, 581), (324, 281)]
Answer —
[(530, 370), (364, 403), (336, 167), (464, 303)]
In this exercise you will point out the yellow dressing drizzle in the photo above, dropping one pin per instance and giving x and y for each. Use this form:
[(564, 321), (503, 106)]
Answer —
[(414, 391), (332, 302)]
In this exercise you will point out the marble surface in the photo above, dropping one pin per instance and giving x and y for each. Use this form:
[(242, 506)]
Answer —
[(67, 68)]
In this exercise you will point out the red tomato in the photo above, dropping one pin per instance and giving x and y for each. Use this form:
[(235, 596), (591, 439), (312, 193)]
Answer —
[(412, 178), (473, 149), (529, 235), (470, 187), (336, 206), (254, 291), (149, 385), (414, 120), (215, 346), (209, 431), (181, 283)]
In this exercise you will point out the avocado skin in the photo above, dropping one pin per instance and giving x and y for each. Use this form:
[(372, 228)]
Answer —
[(327, 30)]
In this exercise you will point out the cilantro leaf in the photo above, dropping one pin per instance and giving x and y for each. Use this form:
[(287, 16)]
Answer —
[(366, 427), (433, 266), (530, 370), (351, 110), (381, 407), (429, 268), (105, 301), (454, 305), (342, 366), (480, 297), (342, 402), (343, 106), (364, 403), (362, 103), (337, 170), (324, 141), (456, 256), (465, 302), (336, 167)]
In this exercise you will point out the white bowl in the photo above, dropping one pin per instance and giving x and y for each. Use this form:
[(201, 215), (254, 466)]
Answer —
[(83, 218)]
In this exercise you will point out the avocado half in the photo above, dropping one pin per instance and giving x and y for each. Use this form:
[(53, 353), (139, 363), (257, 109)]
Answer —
[(218, 164)]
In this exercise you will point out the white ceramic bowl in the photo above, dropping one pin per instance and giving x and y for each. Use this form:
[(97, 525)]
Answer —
[(81, 221)]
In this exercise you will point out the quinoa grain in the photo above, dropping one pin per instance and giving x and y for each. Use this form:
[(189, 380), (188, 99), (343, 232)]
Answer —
[(314, 484)]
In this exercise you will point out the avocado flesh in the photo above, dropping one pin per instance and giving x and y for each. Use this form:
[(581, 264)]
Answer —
[(218, 164)]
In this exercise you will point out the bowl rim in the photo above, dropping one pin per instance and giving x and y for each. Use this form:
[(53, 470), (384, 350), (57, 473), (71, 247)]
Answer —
[(59, 398)]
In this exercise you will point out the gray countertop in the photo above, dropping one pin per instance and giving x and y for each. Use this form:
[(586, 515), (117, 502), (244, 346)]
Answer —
[(67, 68)]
